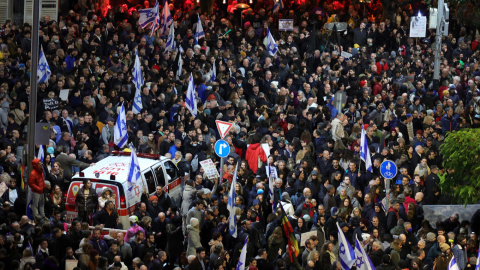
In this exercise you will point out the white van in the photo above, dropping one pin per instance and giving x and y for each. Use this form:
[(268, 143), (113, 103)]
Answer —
[(113, 172)]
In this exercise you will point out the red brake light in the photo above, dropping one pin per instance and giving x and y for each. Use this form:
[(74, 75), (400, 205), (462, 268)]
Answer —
[(123, 203)]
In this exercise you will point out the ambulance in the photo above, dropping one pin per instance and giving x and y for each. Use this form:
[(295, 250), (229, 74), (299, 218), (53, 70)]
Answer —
[(113, 171)]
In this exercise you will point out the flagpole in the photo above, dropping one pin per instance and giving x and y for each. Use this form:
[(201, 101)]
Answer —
[(32, 109)]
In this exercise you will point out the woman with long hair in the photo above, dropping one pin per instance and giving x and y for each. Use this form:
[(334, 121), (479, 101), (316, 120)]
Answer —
[(56, 175), (328, 257), (275, 242), (57, 201)]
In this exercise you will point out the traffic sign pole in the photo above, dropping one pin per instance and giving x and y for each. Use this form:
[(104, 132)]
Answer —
[(222, 149), (388, 169)]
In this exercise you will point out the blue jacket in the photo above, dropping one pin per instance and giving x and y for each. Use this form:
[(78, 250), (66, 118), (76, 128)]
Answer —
[(460, 254), (448, 124)]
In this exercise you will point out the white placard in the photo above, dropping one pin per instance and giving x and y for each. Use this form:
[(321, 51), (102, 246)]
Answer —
[(346, 55), (305, 236), (64, 94), (210, 169), (285, 24), (418, 26), (70, 264)]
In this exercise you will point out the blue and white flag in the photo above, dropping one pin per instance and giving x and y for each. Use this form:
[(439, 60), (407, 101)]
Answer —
[(345, 250), (199, 33), (148, 16), (191, 99), (232, 220), (214, 72), (453, 264), (134, 173), (43, 71), (138, 82), (120, 129), (243, 256), (271, 45), (69, 123), (179, 72), (365, 151), (170, 44), (166, 18), (277, 6), (362, 261), (41, 154)]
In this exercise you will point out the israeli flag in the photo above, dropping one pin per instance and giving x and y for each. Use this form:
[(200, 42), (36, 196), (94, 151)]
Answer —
[(148, 16), (69, 123), (41, 154), (214, 72), (453, 264), (362, 261), (43, 71), (365, 152), (120, 130), (191, 99), (166, 18), (243, 256), (170, 46), (270, 180), (138, 82), (199, 34), (345, 250), (278, 5), (180, 66), (134, 173), (232, 220), (272, 46)]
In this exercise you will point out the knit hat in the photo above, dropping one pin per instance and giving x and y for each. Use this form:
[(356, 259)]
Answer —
[(444, 247), (343, 224), (431, 237), (365, 222), (420, 132), (47, 183), (307, 218), (363, 83), (194, 222), (334, 211), (153, 198)]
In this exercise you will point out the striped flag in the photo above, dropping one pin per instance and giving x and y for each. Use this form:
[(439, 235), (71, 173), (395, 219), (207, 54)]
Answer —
[(288, 229), (41, 154), (166, 18), (148, 16), (453, 264), (365, 152), (120, 130), (179, 72), (191, 99), (199, 33), (232, 220), (170, 44), (43, 71), (138, 82), (362, 261), (271, 45), (134, 172), (345, 250), (477, 267), (243, 256)]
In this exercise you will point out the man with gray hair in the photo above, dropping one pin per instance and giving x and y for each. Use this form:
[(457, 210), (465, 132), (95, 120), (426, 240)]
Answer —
[(377, 253)]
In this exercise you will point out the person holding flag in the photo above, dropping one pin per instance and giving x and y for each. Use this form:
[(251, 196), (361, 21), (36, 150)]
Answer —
[(199, 33), (365, 155), (120, 130), (271, 44), (41, 154)]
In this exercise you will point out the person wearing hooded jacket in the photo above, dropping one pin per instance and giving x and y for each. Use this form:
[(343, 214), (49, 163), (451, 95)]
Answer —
[(193, 236), (36, 183)]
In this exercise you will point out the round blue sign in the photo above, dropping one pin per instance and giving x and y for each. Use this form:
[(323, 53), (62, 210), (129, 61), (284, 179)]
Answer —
[(388, 169), (222, 149)]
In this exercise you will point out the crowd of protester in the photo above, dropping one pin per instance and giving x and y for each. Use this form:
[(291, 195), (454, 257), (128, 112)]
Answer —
[(309, 103)]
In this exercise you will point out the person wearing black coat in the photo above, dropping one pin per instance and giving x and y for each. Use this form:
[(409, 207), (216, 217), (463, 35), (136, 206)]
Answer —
[(377, 254), (107, 216), (431, 181)]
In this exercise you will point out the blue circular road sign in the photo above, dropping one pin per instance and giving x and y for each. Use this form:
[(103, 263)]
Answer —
[(222, 149), (388, 169)]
